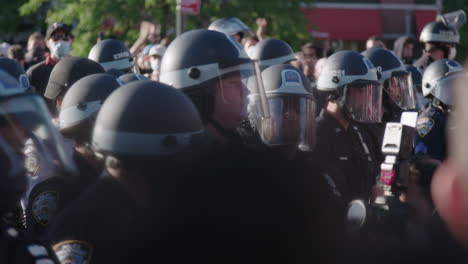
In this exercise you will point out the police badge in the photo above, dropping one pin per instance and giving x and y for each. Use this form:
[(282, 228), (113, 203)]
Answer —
[(424, 126), (73, 252), (44, 207)]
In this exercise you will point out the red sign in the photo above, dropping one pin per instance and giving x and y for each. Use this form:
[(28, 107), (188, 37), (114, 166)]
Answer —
[(189, 7)]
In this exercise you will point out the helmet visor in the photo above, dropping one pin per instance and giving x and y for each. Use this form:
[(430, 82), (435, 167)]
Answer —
[(400, 89), (27, 126), (444, 88), (291, 121), (364, 102)]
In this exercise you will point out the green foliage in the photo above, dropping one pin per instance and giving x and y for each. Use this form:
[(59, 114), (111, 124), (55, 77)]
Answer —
[(454, 5), (11, 23), (285, 19)]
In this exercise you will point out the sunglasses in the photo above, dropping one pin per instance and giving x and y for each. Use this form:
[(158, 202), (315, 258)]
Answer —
[(60, 37)]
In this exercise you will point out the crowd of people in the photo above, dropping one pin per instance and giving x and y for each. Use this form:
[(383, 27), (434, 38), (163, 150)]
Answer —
[(224, 146)]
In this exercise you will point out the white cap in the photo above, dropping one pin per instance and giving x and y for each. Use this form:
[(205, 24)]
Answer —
[(4, 49), (157, 50)]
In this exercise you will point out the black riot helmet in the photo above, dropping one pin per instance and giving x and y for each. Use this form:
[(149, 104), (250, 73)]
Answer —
[(210, 67), (17, 71), (398, 94), (292, 108), (270, 52), (112, 54), (351, 80), (438, 81), (146, 120), (82, 103), (231, 26), (66, 72)]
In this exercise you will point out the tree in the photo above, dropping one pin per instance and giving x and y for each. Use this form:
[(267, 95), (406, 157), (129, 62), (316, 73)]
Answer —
[(14, 27), (285, 19)]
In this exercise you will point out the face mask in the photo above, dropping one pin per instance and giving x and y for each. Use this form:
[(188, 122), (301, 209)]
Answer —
[(155, 64), (452, 53), (60, 49)]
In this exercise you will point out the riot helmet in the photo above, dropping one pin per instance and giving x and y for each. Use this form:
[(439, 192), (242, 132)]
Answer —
[(231, 26), (14, 69), (352, 81), (443, 33), (213, 70), (292, 108), (112, 54), (82, 103), (438, 31), (438, 81), (66, 72), (269, 52), (144, 120), (396, 80)]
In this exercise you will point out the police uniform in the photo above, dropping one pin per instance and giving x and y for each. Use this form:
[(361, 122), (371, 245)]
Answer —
[(351, 157), (234, 206), (431, 138), (53, 194), (17, 246)]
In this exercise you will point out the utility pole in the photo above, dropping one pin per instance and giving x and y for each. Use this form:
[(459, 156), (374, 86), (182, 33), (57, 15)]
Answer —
[(179, 20)]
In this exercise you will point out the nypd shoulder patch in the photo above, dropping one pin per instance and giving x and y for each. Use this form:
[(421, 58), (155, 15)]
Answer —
[(73, 251), (44, 207), (424, 126)]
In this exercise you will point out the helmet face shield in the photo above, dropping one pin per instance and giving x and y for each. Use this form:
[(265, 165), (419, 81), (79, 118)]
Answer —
[(363, 101), (400, 89), (233, 88), (27, 126), (444, 88), (291, 120)]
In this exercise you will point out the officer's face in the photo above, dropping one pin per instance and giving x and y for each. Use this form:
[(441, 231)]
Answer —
[(230, 101), (14, 134)]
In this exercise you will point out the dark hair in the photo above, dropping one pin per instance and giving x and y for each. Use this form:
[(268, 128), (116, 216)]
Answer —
[(16, 52)]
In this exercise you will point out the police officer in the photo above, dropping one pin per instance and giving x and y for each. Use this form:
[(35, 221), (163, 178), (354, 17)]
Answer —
[(398, 95), (59, 40), (80, 106), (147, 133), (437, 86), (291, 121), (113, 54), (24, 120), (440, 38), (250, 192), (347, 149), (214, 77), (70, 70)]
